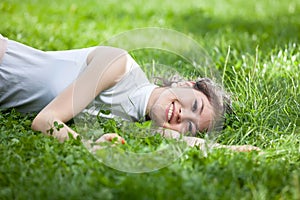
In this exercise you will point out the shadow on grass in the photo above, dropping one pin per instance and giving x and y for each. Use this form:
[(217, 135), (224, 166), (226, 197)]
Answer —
[(244, 34)]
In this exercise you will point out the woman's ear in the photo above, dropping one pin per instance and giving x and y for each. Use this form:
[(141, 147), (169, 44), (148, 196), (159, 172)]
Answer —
[(183, 84)]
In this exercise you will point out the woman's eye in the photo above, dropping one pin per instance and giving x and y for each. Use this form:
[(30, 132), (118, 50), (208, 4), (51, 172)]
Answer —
[(195, 106)]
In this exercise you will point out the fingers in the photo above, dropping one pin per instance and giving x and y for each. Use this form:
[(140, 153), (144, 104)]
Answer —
[(244, 148), (111, 137)]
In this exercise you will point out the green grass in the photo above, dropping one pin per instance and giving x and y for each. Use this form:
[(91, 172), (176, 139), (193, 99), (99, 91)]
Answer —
[(255, 45)]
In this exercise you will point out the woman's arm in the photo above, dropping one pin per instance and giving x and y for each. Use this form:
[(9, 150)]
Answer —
[(106, 66), (202, 144)]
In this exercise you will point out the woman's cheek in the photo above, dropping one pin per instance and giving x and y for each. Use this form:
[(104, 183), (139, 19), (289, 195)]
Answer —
[(156, 116)]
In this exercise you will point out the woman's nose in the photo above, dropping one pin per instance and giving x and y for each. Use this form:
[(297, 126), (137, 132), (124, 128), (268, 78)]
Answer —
[(179, 116), (185, 114)]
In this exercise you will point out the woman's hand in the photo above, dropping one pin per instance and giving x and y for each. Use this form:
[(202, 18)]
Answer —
[(48, 125), (108, 137), (202, 144), (242, 148)]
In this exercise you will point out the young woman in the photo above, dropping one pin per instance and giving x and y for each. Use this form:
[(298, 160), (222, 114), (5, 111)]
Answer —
[(59, 85)]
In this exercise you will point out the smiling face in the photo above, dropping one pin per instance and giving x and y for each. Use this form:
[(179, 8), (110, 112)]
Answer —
[(182, 109)]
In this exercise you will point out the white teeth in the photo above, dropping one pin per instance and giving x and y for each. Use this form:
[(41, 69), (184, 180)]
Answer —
[(170, 112)]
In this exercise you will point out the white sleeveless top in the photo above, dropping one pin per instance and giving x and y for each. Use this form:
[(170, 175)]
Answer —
[(128, 99), (30, 79)]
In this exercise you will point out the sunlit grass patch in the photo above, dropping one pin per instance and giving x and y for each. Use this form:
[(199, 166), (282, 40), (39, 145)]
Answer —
[(253, 44)]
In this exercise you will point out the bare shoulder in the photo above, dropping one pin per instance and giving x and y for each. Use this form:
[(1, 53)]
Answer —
[(106, 51)]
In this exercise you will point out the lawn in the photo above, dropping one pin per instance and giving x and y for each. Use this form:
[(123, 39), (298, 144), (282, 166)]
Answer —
[(254, 45)]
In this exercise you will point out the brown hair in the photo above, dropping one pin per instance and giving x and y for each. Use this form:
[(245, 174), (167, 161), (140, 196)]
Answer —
[(219, 99)]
